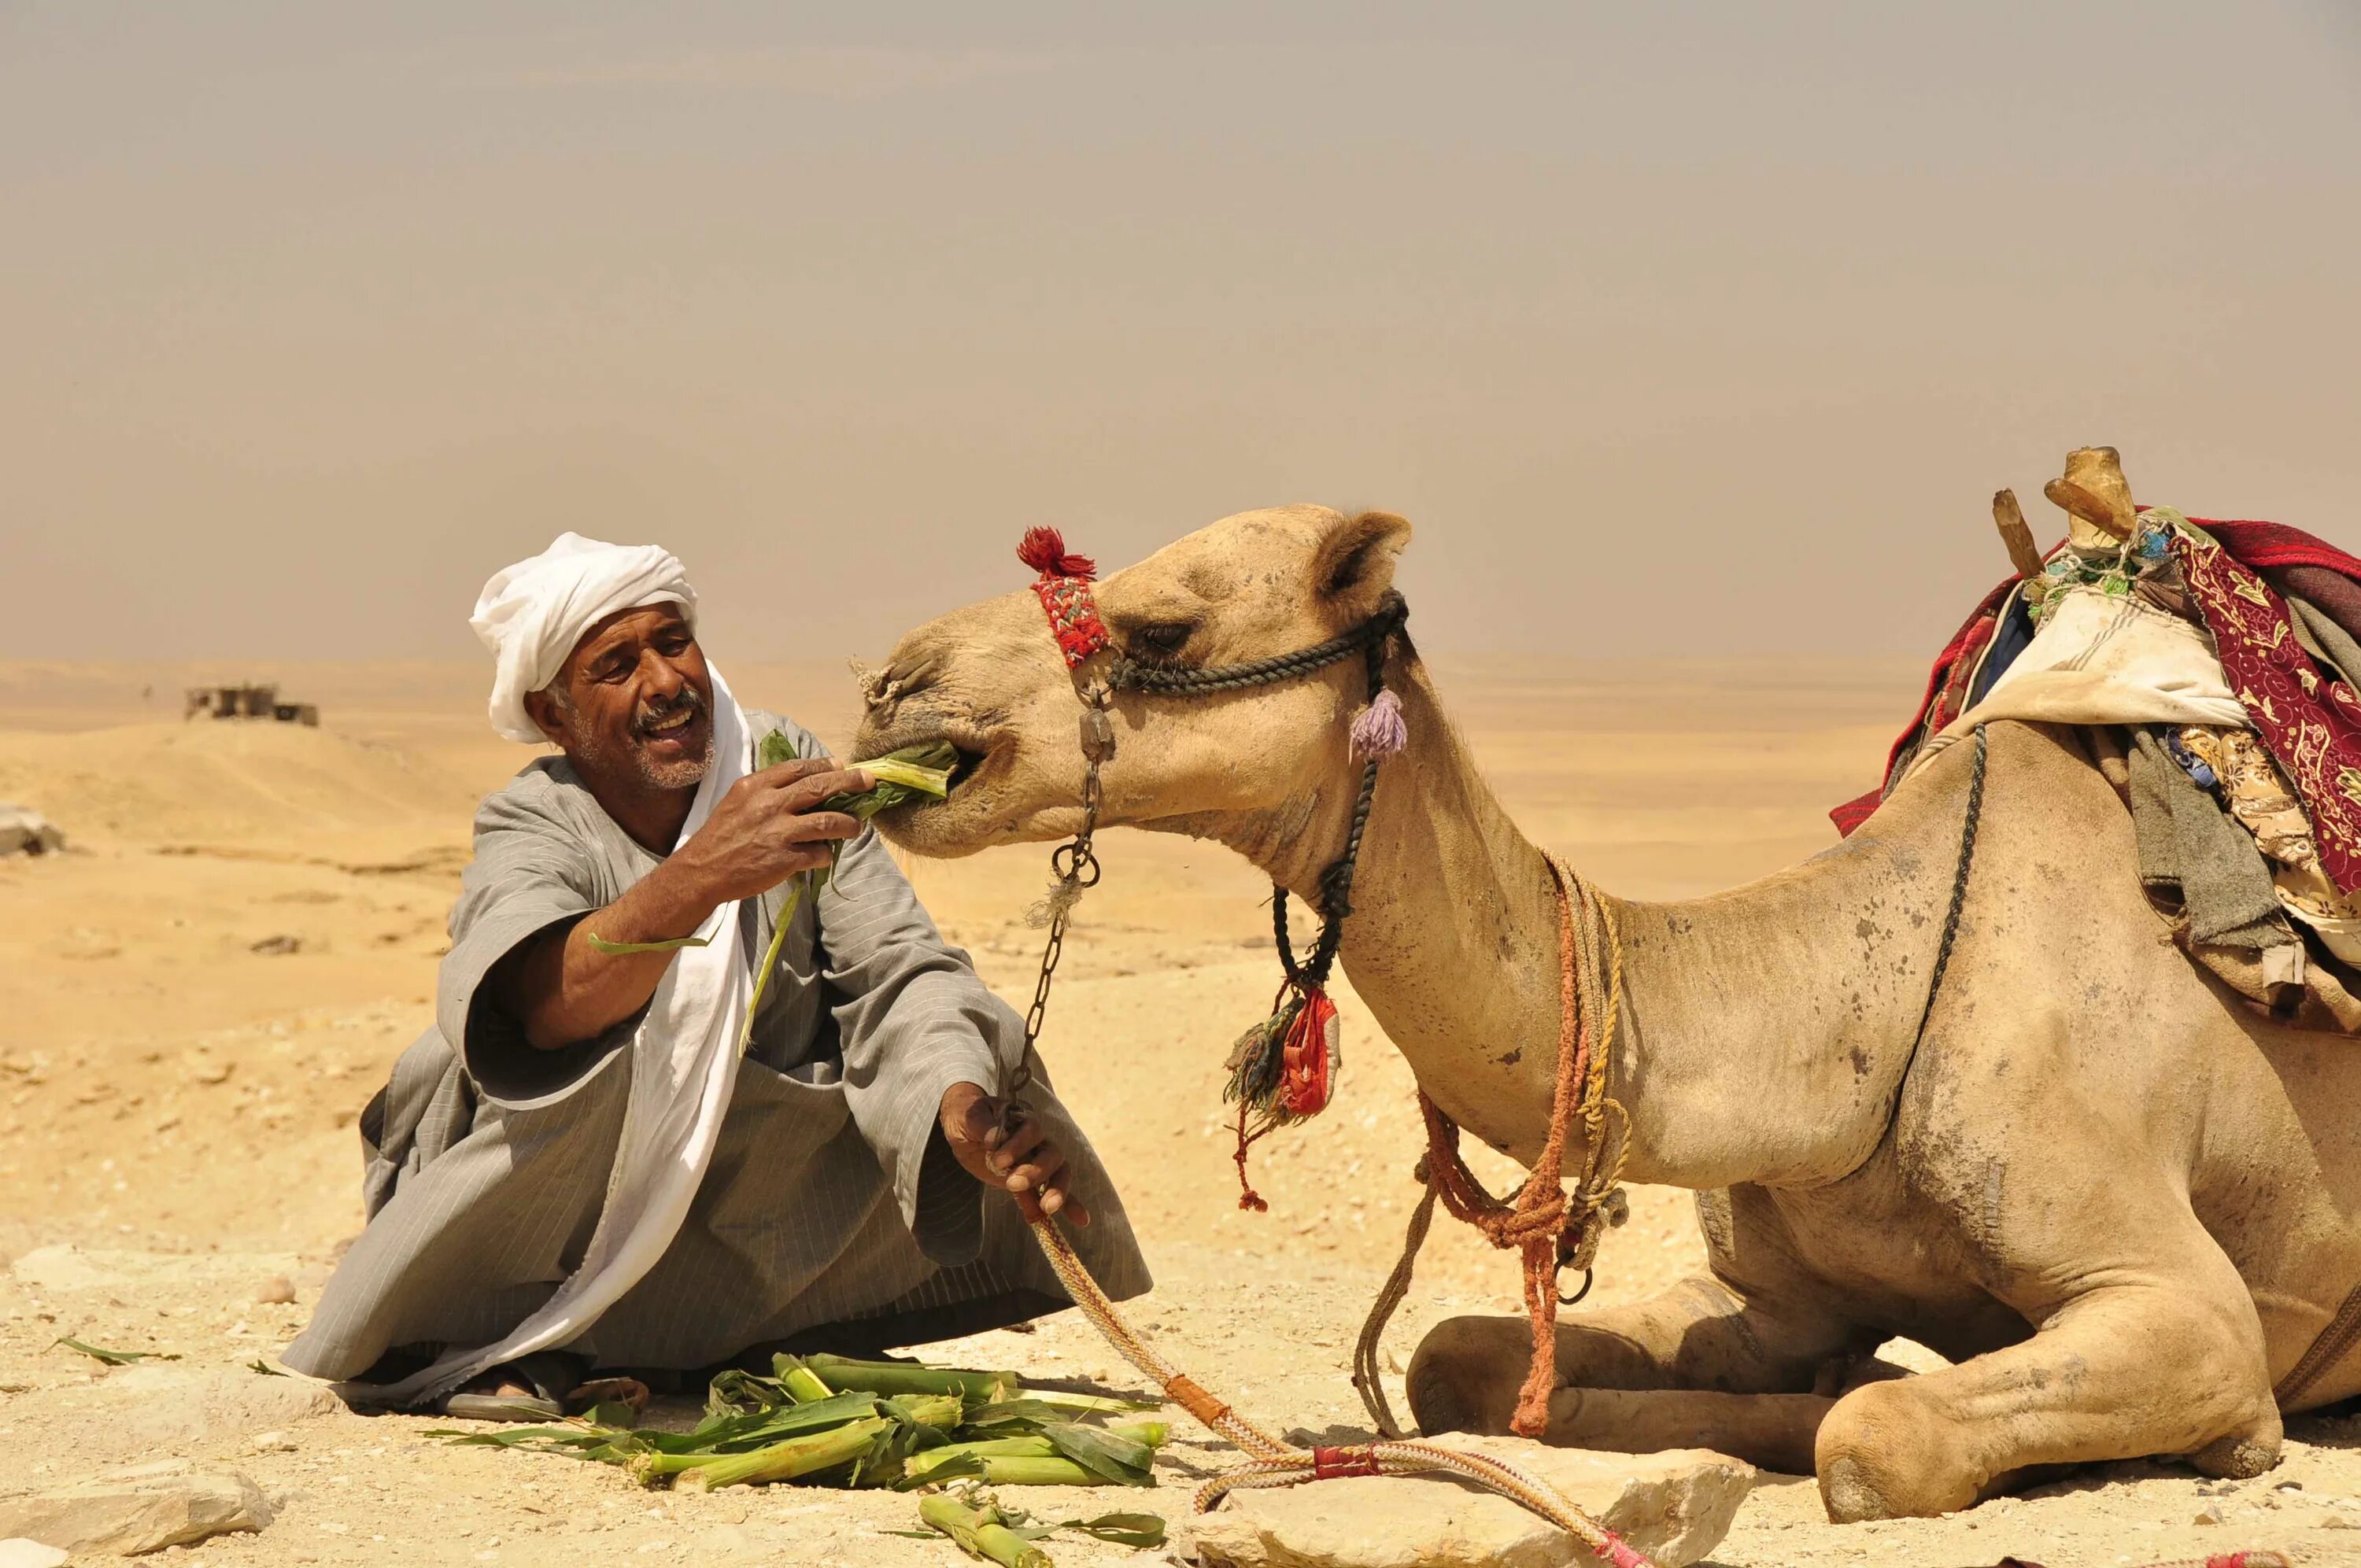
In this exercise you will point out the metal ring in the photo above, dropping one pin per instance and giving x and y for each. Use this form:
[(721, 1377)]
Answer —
[(1576, 1298)]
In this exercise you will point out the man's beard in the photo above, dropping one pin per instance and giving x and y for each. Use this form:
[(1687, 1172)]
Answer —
[(682, 774)]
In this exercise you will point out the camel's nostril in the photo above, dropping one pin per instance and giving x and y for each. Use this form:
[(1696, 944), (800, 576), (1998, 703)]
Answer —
[(881, 689)]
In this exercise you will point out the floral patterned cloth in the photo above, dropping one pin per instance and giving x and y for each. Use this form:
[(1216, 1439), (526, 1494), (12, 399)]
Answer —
[(2310, 721)]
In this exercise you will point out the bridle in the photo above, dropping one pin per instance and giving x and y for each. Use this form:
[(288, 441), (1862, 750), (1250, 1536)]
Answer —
[(1283, 1069)]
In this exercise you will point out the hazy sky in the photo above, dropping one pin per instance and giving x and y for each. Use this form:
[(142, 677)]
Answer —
[(1674, 326)]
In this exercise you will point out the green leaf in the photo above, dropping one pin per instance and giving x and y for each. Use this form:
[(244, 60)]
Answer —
[(600, 944), (1102, 1453), (1103, 1403), (1025, 1413), (111, 1357), (1144, 1531), (964, 1467), (772, 749)]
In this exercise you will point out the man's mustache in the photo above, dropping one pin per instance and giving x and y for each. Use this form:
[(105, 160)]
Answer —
[(649, 715)]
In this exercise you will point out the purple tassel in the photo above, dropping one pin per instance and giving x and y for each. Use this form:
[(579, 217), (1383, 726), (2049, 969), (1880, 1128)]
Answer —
[(1378, 731)]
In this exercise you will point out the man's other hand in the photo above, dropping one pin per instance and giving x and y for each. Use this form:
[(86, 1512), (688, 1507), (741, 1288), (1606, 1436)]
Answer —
[(766, 827), (1023, 1162)]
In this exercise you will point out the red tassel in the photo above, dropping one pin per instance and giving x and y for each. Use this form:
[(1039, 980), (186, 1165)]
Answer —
[(1309, 1055), (1044, 550)]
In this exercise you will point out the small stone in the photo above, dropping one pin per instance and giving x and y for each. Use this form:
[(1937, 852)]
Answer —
[(2210, 1514), (277, 1291), (273, 1443), (144, 1508), (1675, 1507), (19, 1553)]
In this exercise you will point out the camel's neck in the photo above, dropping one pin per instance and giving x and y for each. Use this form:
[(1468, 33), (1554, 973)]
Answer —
[(1765, 1029)]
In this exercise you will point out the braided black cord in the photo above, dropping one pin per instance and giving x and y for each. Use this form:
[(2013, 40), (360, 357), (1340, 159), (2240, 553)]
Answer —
[(1337, 881), (1958, 895), (1129, 674)]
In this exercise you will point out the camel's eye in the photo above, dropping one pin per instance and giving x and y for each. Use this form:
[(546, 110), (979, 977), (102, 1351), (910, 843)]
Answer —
[(1162, 639)]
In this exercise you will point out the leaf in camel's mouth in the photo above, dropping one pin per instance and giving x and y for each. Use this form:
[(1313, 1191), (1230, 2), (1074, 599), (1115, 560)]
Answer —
[(908, 774)]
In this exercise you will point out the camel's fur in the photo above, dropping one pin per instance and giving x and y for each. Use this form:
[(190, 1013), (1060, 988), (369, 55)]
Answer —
[(2122, 1204)]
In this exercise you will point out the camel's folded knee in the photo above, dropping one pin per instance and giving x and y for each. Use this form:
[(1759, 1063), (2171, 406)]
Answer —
[(1466, 1375)]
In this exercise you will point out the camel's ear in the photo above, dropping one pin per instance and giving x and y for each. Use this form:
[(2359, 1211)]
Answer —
[(1354, 564)]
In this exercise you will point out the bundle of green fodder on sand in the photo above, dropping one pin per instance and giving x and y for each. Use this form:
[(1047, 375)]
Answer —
[(829, 1421)]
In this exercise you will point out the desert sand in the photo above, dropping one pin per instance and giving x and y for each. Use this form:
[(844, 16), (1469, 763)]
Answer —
[(202, 994)]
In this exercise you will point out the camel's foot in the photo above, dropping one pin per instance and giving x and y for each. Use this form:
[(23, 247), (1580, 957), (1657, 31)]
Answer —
[(2121, 1372), (2241, 1456), (1898, 1478)]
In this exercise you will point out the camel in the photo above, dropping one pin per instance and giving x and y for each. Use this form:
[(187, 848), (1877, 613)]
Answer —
[(2120, 1204)]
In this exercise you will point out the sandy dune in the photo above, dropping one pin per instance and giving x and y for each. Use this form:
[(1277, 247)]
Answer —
[(199, 998)]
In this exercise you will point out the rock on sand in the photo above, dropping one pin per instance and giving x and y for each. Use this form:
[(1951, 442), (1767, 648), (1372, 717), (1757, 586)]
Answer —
[(144, 1508)]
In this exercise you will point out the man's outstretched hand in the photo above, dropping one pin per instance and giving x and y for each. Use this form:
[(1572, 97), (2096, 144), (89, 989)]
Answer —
[(1023, 1162)]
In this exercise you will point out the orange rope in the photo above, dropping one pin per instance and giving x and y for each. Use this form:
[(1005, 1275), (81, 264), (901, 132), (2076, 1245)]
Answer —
[(1539, 1220), (1273, 1462)]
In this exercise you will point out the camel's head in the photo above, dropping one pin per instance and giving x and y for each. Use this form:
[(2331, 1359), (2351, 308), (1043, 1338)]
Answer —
[(990, 679)]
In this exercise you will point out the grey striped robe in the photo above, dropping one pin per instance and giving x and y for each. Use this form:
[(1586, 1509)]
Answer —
[(831, 1202)]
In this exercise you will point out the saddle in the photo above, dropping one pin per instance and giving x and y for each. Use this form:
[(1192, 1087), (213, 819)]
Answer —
[(2214, 671)]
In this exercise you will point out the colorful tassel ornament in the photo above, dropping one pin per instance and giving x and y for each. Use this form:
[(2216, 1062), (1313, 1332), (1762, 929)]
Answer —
[(1379, 730)]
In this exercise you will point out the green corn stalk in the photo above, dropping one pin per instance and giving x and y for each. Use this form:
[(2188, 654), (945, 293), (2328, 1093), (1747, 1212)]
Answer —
[(939, 1412), (1016, 1470), (900, 776), (911, 1378), (736, 1433), (982, 1533), (791, 1460), (1109, 1456), (919, 1465), (802, 1384), (1092, 1403)]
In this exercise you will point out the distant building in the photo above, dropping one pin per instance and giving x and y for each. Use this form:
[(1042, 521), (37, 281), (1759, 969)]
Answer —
[(249, 702), (23, 831)]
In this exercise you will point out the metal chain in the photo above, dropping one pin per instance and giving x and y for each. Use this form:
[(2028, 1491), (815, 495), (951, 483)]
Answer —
[(1076, 867)]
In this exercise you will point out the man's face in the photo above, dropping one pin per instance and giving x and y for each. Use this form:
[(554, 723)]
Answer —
[(634, 704)]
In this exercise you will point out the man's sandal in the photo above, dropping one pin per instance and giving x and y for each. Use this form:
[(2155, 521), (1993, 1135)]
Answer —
[(551, 1375)]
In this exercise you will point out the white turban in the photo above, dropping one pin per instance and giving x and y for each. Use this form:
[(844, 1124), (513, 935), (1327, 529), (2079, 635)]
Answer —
[(532, 614)]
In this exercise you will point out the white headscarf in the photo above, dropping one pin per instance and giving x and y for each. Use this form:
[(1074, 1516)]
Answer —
[(532, 614)]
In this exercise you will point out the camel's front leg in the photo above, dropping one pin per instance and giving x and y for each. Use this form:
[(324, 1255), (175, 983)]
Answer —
[(1698, 1367), (2172, 1365)]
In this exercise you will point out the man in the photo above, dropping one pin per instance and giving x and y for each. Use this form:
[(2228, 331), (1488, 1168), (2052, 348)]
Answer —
[(576, 1168)]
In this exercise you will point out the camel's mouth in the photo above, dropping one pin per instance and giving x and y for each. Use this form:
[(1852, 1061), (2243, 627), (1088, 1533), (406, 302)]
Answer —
[(944, 827), (976, 755), (971, 760)]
